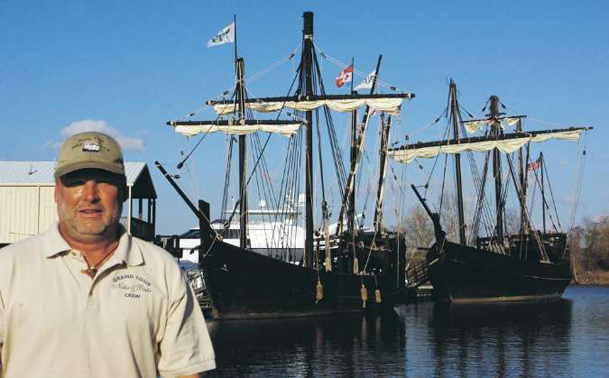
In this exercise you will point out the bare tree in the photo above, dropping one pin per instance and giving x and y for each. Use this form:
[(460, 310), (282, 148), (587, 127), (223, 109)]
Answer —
[(449, 218), (418, 231), (597, 243), (589, 246)]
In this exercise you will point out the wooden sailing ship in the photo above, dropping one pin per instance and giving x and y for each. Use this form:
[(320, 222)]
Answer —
[(528, 264), (348, 270)]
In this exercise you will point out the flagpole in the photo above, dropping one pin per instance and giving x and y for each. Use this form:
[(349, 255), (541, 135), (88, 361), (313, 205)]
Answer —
[(235, 23), (352, 72)]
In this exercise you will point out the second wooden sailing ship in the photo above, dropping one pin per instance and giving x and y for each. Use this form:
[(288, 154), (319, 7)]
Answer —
[(528, 264)]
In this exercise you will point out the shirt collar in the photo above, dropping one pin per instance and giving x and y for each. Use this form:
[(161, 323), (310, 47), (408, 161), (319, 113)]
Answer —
[(126, 251), (55, 243)]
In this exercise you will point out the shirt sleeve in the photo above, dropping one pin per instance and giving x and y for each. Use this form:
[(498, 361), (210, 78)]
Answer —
[(1, 328), (186, 346)]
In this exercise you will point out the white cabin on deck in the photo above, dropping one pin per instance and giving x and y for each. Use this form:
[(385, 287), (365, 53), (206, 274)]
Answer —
[(27, 202)]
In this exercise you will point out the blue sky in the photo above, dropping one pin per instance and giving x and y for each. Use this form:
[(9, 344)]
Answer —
[(128, 67)]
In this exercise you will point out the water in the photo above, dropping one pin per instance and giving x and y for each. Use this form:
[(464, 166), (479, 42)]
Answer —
[(565, 338)]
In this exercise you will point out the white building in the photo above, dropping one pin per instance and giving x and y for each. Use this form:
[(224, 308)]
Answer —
[(27, 203)]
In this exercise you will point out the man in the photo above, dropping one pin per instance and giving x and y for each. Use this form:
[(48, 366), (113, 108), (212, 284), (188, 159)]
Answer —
[(85, 299)]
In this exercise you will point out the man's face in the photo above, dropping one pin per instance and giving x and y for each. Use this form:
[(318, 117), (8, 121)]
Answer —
[(89, 204)]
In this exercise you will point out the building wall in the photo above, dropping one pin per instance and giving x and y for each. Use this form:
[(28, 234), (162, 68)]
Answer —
[(25, 211), (48, 208)]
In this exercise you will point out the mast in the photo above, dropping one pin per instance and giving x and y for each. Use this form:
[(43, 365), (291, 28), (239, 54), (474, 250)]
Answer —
[(459, 186), (240, 98), (496, 132), (235, 24), (523, 187), (523, 199), (543, 192), (378, 214), (351, 179), (353, 160), (307, 70)]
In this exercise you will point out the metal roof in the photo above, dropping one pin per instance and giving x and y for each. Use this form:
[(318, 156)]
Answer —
[(22, 173)]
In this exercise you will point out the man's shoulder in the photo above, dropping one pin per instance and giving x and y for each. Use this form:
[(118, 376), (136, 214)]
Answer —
[(159, 263), (153, 252), (23, 249)]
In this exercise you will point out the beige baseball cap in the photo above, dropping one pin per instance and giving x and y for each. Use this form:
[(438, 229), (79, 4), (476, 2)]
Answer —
[(90, 150)]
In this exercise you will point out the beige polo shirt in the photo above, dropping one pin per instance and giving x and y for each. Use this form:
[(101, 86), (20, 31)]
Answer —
[(137, 318)]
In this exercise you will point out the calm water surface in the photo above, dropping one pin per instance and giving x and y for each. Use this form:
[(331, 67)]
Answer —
[(565, 338)]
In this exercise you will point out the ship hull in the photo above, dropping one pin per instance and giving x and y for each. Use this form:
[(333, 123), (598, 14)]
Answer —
[(463, 274), (244, 284)]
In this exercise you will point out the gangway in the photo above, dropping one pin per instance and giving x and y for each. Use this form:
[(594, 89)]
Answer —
[(417, 273)]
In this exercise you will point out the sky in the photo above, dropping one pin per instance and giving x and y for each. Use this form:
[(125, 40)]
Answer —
[(126, 68)]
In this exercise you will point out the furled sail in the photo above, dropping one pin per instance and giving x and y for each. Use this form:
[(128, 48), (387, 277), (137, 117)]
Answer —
[(475, 125), (506, 143), (388, 103), (191, 128)]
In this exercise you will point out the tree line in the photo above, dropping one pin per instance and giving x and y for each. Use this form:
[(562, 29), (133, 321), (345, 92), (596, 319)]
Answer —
[(588, 242)]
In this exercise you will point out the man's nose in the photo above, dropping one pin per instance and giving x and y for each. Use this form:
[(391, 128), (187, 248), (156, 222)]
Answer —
[(90, 191)]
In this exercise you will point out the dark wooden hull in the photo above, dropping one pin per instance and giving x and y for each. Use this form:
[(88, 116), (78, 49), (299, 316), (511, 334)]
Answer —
[(245, 284), (463, 274)]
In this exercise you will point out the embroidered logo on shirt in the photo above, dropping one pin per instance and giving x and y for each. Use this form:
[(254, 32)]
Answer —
[(132, 285)]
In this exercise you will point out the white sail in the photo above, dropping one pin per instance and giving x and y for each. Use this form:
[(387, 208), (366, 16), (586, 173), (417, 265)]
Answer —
[(388, 105), (473, 126), (236, 129), (504, 145)]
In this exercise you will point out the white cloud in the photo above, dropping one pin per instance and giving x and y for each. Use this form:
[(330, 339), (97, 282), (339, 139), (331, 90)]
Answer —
[(131, 143), (76, 127)]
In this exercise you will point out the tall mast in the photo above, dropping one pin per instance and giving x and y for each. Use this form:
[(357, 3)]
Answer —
[(378, 213), (353, 160), (235, 25), (543, 192), (353, 170), (495, 132), (523, 187), (456, 117), (307, 69), (240, 98)]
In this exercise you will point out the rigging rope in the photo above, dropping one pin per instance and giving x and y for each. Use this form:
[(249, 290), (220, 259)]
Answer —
[(542, 250), (229, 159), (559, 229), (580, 178), (361, 74)]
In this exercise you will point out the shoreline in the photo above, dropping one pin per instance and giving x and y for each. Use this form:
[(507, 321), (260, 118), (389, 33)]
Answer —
[(572, 283), (596, 277)]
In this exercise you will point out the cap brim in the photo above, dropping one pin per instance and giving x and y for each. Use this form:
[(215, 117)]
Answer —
[(88, 165)]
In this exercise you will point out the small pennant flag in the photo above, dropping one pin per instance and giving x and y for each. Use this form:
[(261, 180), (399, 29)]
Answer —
[(367, 83), (226, 35), (534, 165), (345, 76)]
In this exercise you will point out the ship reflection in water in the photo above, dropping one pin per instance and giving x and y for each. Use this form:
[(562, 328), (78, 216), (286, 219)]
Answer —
[(499, 340), (323, 346), (567, 337)]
